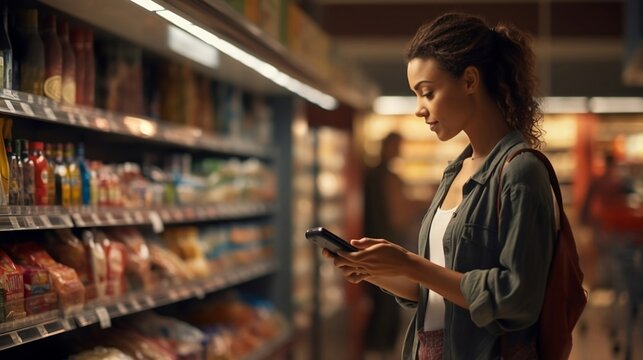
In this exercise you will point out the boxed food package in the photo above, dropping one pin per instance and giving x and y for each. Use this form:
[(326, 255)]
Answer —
[(38, 292), (11, 286), (71, 292)]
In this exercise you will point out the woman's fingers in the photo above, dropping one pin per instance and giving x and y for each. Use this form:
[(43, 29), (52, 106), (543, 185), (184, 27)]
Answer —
[(363, 243)]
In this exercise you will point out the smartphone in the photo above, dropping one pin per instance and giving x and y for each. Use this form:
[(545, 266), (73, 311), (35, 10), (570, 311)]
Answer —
[(325, 239)]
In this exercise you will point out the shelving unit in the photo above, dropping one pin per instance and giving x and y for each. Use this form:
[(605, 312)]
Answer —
[(146, 29), (40, 326)]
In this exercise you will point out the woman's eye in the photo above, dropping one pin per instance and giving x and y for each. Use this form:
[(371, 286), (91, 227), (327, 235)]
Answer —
[(428, 95)]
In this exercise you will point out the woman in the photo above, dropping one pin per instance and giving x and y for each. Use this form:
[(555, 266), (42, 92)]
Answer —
[(478, 281)]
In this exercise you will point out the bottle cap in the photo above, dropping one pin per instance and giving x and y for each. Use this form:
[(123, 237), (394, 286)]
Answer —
[(37, 146)]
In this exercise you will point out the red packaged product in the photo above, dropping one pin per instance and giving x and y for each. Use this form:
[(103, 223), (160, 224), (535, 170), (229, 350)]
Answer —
[(12, 289), (115, 252), (30, 253), (38, 292), (71, 292)]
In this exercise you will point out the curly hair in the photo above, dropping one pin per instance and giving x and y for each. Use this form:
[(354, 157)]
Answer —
[(502, 54)]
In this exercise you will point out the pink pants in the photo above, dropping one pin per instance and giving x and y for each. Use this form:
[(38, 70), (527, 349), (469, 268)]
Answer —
[(431, 343)]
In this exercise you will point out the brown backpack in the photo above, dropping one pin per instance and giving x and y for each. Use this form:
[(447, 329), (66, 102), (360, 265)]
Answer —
[(565, 297)]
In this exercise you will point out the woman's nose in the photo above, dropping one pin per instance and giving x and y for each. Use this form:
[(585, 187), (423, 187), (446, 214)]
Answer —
[(421, 110)]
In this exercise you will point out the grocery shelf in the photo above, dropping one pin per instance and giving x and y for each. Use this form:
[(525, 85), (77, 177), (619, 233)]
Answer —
[(139, 26), (275, 348), (14, 218), (40, 108), (40, 326), (33, 217)]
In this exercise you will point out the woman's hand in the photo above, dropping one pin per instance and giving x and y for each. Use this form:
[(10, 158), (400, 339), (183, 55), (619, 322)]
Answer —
[(376, 257), (351, 273)]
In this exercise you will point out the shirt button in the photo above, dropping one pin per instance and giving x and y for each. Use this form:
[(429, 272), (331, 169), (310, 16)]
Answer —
[(454, 214)]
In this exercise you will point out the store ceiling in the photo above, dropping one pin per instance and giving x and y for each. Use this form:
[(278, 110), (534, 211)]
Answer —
[(580, 45)]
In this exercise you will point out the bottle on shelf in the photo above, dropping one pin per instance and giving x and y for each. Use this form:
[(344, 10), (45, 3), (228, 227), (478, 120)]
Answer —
[(73, 173), (31, 54), (85, 175), (90, 68), (41, 172), (94, 184), (53, 60), (77, 39), (69, 65), (6, 52), (28, 169), (15, 175), (5, 132), (61, 176), (51, 184)]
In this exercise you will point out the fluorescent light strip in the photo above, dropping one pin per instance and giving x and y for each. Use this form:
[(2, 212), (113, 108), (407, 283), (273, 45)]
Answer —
[(616, 105), (395, 105), (270, 72), (564, 105), (148, 5)]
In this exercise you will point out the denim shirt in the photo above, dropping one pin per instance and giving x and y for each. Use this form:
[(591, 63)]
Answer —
[(504, 256)]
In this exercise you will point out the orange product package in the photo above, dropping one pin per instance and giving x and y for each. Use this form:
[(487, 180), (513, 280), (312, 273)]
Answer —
[(11, 290)]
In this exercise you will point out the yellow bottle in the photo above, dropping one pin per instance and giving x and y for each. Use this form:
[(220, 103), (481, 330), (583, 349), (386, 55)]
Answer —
[(73, 172), (63, 191)]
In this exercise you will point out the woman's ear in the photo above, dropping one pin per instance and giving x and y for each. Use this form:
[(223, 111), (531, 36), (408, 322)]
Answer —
[(471, 77)]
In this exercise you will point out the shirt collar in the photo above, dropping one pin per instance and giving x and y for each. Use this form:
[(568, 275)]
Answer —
[(495, 156)]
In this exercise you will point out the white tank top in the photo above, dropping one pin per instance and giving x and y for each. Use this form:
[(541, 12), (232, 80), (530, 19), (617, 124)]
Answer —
[(434, 316)]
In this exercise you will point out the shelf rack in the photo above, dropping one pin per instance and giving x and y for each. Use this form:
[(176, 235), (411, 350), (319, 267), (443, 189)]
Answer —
[(41, 326)]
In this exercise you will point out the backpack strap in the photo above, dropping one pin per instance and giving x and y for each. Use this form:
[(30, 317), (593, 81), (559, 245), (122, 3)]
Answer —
[(550, 169)]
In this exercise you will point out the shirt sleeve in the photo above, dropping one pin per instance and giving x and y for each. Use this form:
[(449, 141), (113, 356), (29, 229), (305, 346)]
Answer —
[(509, 297), (405, 303)]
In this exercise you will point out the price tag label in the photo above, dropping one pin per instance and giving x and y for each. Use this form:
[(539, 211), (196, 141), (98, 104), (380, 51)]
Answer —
[(83, 120), (41, 330), (149, 301), (78, 218), (127, 217), (199, 293), (157, 223), (96, 219), (136, 305), (14, 222), (9, 106), (71, 118), (110, 218), (49, 113), (26, 109), (122, 308), (103, 317), (82, 320), (138, 217), (30, 222), (15, 337), (45, 221)]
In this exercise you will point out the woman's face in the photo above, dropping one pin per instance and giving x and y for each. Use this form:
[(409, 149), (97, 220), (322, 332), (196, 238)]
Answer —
[(442, 99)]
